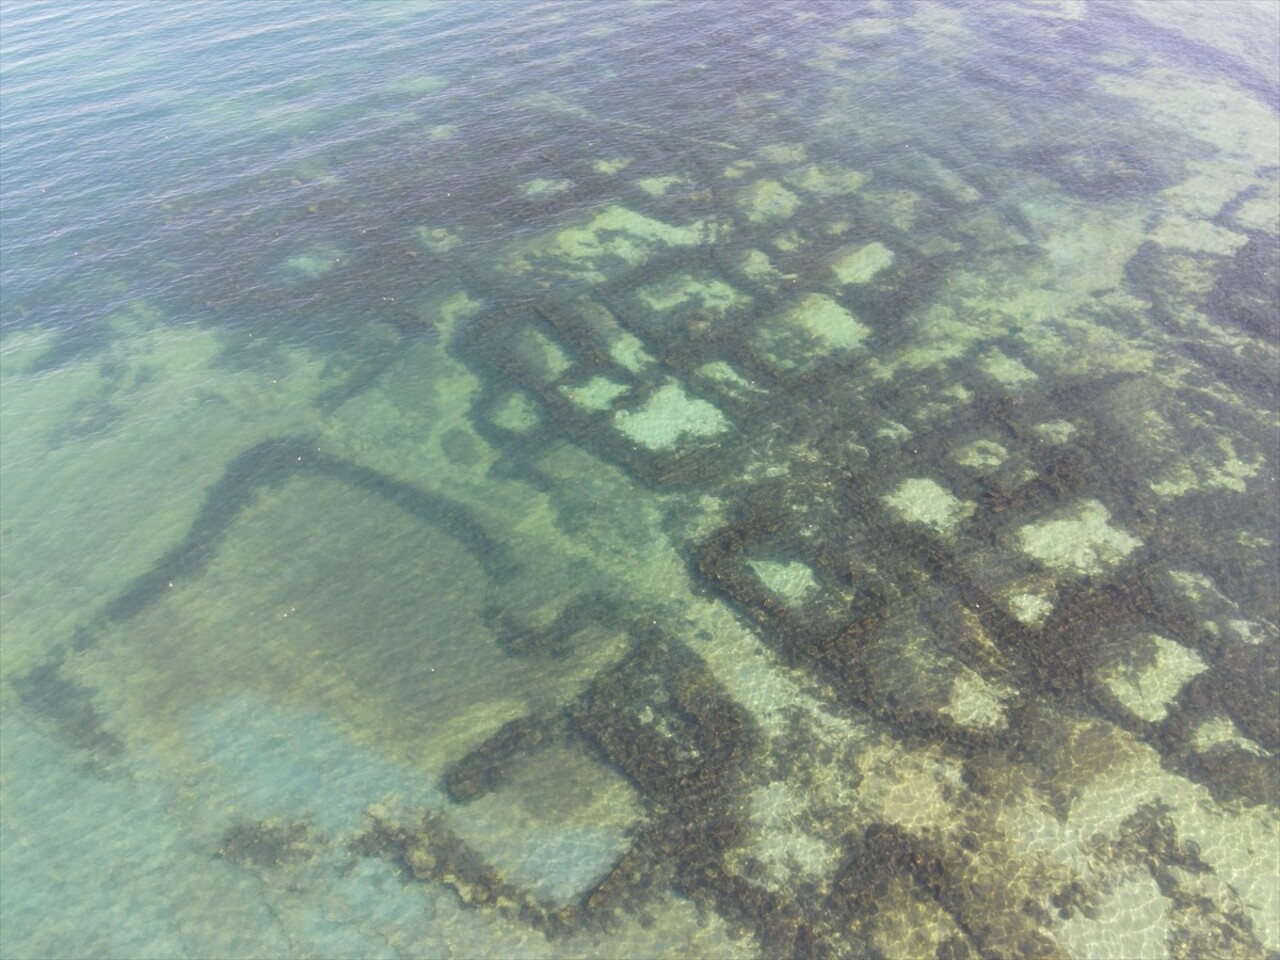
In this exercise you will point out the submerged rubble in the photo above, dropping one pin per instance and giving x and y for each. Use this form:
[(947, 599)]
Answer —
[(783, 518)]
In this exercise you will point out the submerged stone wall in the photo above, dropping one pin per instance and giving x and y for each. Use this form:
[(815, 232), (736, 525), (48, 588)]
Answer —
[(894, 554)]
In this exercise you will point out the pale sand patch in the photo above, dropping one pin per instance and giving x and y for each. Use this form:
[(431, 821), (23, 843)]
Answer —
[(981, 455), (597, 394), (793, 581), (767, 200), (1079, 541), (827, 321), (668, 416), (853, 265), (1148, 692), (1030, 608), (921, 500)]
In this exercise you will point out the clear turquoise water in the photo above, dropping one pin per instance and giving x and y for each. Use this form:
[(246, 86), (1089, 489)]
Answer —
[(639, 479)]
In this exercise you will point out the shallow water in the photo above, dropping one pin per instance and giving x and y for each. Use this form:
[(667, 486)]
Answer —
[(640, 479)]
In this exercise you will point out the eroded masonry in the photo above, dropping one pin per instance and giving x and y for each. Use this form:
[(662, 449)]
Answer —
[(880, 590)]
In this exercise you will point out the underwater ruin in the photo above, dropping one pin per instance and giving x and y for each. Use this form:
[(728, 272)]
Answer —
[(813, 497)]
